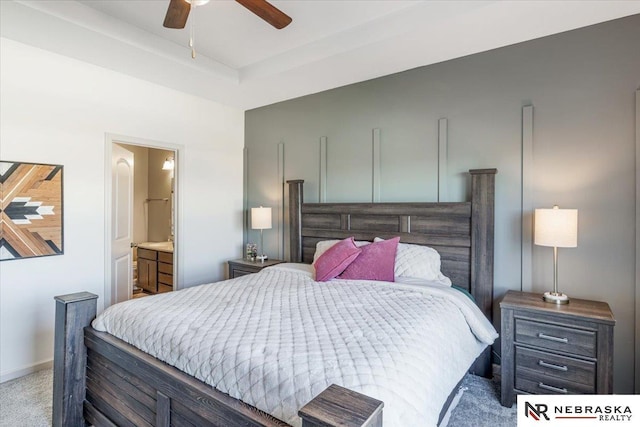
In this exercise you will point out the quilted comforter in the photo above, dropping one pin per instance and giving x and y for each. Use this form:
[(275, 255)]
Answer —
[(277, 338)]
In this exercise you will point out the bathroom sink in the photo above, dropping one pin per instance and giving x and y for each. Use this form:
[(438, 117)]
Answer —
[(157, 246)]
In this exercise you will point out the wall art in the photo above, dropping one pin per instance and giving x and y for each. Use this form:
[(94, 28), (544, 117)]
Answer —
[(31, 221)]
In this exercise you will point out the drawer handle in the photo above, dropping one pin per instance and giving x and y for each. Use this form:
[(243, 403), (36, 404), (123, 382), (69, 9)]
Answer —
[(552, 338), (552, 388), (552, 366)]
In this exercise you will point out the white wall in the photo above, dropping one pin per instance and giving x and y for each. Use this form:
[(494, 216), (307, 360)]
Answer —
[(57, 110)]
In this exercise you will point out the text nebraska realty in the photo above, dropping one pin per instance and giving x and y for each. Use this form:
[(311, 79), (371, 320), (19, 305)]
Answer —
[(601, 413)]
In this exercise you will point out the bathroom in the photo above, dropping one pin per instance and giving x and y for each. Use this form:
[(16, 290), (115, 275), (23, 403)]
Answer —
[(152, 220)]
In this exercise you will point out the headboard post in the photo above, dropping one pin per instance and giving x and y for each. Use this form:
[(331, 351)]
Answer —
[(295, 219), (482, 228)]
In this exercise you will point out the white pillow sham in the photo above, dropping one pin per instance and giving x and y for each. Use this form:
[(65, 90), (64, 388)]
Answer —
[(294, 266), (323, 245), (418, 261)]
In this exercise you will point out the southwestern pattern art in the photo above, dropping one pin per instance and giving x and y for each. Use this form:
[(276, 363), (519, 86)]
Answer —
[(30, 210)]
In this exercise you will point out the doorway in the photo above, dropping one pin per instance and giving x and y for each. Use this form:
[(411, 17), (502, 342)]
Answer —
[(142, 219)]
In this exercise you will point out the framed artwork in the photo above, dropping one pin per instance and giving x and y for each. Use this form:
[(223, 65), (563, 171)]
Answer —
[(31, 222)]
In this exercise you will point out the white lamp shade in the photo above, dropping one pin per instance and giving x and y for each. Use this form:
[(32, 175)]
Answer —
[(260, 218), (556, 227)]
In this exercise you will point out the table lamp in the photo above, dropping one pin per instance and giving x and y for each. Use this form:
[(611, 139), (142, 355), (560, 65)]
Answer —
[(557, 228), (261, 220)]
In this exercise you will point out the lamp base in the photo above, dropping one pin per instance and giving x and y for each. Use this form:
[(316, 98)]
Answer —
[(556, 298), (262, 258)]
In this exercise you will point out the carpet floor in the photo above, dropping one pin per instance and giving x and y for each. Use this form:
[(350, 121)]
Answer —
[(26, 402)]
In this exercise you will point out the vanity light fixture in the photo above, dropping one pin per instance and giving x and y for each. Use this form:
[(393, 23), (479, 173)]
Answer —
[(557, 228), (168, 164)]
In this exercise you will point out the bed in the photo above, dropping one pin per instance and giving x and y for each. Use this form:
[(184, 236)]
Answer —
[(103, 380)]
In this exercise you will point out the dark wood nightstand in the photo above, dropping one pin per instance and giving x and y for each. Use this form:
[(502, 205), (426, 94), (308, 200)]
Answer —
[(240, 267), (338, 406), (555, 349)]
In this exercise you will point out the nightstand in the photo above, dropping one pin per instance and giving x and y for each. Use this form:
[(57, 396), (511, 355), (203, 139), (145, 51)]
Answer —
[(241, 267), (555, 349)]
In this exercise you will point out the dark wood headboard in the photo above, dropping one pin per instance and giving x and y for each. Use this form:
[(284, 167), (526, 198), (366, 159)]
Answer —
[(461, 232)]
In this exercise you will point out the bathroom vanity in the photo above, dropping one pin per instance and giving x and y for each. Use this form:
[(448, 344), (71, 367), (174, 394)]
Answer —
[(155, 267)]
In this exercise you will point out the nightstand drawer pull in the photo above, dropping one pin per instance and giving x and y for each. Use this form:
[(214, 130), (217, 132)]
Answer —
[(552, 366), (552, 338), (552, 388)]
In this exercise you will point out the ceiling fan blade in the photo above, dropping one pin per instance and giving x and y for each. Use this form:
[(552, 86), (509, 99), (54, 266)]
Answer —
[(177, 14), (268, 12)]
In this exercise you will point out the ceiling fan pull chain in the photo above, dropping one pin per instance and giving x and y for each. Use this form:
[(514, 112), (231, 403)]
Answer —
[(192, 35)]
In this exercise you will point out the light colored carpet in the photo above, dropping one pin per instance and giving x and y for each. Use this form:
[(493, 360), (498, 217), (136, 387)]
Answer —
[(26, 402), (480, 405)]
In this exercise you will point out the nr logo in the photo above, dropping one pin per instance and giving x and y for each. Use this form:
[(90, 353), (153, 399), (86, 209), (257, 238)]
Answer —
[(536, 411)]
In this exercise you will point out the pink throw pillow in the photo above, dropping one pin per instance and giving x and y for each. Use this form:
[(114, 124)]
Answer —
[(336, 259), (376, 262)]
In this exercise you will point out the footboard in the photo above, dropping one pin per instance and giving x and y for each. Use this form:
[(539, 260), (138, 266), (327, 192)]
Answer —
[(101, 380)]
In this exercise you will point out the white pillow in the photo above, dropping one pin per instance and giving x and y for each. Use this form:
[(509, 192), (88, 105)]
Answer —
[(323, 245), (418, 261)]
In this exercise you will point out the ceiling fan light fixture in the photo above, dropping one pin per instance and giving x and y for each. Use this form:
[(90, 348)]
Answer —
[(178, 13), (197, 2)]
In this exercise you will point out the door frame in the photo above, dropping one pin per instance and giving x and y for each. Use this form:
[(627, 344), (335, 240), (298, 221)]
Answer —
[(178, 179)]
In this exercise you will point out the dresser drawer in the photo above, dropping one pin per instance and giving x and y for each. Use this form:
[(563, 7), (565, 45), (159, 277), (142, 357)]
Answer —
[(167, 279), (165, 268), (529, 361), (164, 288), (165, 257), (540, 384), (555, 337)]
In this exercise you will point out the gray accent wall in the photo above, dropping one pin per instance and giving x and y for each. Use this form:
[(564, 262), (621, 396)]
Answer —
[(555, 116)]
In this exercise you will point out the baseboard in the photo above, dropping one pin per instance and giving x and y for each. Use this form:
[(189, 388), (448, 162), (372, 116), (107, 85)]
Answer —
[(8, 376)]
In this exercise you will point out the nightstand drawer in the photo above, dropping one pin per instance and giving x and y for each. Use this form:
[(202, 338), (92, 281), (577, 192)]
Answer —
[(238, 273), (530, 362), (535, 383), (242, 267), (555, 337)]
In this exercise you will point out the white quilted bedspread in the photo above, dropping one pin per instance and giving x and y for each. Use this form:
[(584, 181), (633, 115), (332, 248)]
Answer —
[(277, 338)]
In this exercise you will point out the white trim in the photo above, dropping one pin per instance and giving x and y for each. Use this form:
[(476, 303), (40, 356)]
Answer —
[(526, 201), (245, 200), (178, 260), (281, 204), (12, 375), (322, 198), (443, 155), (637, 292), (375, 181)]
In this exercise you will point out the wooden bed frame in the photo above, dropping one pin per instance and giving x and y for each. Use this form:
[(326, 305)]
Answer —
[(101, 380)]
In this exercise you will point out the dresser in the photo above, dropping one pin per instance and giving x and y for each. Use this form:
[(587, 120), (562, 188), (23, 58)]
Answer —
[(555, 349), (241, 267)]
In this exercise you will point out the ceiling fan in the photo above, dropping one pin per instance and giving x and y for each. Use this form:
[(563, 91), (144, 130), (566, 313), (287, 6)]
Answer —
[(178, 12)]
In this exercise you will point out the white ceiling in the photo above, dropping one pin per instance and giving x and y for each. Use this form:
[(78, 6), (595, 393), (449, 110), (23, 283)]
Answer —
[(244, 62)]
